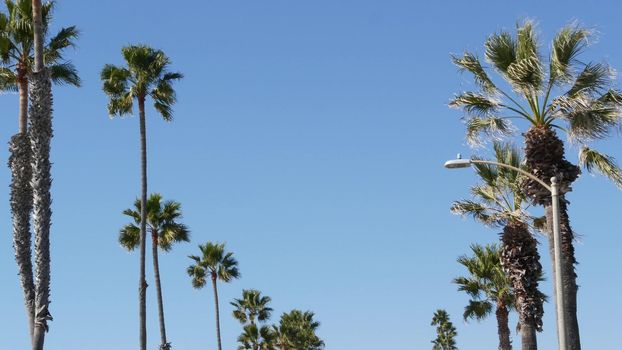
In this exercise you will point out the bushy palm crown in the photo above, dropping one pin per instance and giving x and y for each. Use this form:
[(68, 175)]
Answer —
[(445, 332), (256, 338), (17, 45), (253, 306), (162, 219), (297, 330), (146, 74), (486, 284), (587, 106), (215, 263), (498, 199)]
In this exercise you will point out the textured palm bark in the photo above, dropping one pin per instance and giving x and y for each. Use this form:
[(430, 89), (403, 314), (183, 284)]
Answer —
[(142, 284), (156, 270), (502, 327), (40, 133), (217, 310), (21, 208), (521, 263), (544, 155)]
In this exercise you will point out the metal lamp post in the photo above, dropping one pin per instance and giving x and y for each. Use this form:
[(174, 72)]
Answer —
[(553, 188)]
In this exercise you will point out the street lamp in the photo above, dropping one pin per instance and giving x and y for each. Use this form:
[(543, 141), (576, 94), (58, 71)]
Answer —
[(553, 188)]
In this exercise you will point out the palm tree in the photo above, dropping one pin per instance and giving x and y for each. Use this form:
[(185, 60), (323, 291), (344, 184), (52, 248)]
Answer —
[(488, 287), (146, 75), (587, 107), (499, 202), (445, 331), (165, 231), (297, 330), (16, 65), (253, 306), (216, 264), (256, 338)]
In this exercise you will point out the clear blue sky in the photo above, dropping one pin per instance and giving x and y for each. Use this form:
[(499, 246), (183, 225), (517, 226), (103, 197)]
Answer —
[(309, 136)]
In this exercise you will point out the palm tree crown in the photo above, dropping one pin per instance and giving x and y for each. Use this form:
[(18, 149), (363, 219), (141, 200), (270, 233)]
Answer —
[(214, 262), (587, 107), (146, 74), (486, 284), (445, 332), (256, 337), (162, 220), (253, 306), (17, 46), (297, 330)]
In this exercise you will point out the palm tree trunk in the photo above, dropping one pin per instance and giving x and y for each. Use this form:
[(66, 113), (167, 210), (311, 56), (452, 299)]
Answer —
[(521, 262), (528, 335), (21, 208), (569, 281), (502, 327), (544, 155), (40, 137), (22, 84), (156, 269), (217, 311), (142, 284)]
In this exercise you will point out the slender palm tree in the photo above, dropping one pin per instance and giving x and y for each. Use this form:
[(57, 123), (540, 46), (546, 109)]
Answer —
[(146, 75), (217, 264), (489, 288), (162, 222), (498, 202), (297, 330), (445, 331), (252, 306), (256, 337), (16, 65), (586, 107)]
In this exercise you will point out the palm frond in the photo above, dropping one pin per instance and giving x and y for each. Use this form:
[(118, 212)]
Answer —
[(588, 119), (474, 209), (65, 38), (493, 127), (475, 103), (594, 79), (65, 73), (477, 309), (501, 51), (569, 42), (471, 63), (602, 163), (8, 80), (129, 236)]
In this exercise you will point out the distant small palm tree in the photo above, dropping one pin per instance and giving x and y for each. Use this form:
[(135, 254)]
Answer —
[(253, 306), (445, 332), (162, 222), (256, 338), (146, 75), (297, 330), (489, 288), (216, 264)]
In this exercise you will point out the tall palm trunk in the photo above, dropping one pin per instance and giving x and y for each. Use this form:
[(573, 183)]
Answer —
[(142, 284), (217, 310), (544, 155), (521, 262), (156, 269), (502, 327), (21, 207), (21, 200), (40, 138)]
